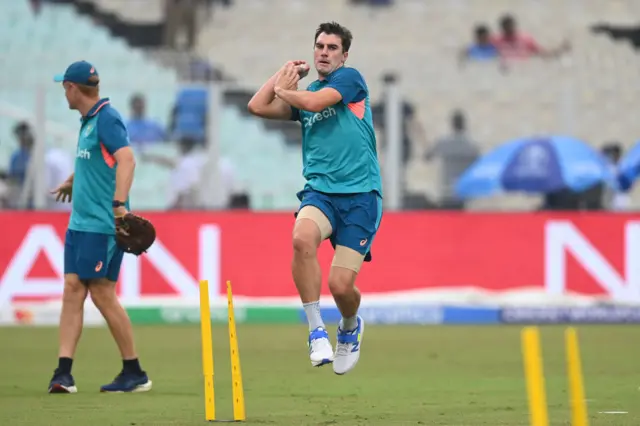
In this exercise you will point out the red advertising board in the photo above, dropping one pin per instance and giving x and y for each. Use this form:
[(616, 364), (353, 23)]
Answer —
[(580, 253)]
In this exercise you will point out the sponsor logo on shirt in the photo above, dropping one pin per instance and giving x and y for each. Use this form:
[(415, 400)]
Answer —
[(319, 116), (83, 154)]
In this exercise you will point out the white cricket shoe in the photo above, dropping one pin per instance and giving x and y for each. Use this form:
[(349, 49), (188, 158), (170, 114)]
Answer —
[(320, 349), (348, 348)]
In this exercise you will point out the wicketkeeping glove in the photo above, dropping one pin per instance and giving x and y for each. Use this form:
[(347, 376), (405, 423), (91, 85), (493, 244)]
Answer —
[(134, 234)]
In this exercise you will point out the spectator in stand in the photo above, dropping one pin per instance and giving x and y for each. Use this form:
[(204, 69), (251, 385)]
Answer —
[(58, 166), (5, 192), (481, 49), (189, 115), (514, 44), (412, 131), (20, 157), (143, 130), (187, 172), (613, 199), (457, 152), (181, 15)]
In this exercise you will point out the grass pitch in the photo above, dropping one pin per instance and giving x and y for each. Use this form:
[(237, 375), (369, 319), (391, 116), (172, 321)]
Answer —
[(407, 375)]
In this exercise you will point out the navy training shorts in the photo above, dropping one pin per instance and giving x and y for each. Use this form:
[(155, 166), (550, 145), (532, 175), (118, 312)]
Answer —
[(354, 218), (91, 255)]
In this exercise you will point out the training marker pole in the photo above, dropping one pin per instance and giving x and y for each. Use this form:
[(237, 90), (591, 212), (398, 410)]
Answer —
[(534, 375), (207, 352), (236, 372), (576, 386)]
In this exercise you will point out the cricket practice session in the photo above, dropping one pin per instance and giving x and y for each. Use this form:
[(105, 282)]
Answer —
[(320, 212)]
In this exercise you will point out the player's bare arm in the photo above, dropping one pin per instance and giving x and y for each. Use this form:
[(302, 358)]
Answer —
[(303, 99), (63, 192), (265, 104), (126, 162), (309, 101)]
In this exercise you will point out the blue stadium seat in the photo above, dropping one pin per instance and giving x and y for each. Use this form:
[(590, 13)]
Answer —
[(191, 113)]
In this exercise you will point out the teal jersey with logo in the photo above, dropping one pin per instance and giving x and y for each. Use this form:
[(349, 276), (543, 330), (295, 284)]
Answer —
[(339, 153), (102, 133)]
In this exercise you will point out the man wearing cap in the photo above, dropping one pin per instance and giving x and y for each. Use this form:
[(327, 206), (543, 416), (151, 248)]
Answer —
[(99, 192)]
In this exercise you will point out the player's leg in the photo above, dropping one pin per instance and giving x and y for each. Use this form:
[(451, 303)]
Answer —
[(71, 318), (354, 238), (104, 297), (342, 278), (99, 266), (342, 284), (132, 378), (312, 226), (103, 293)]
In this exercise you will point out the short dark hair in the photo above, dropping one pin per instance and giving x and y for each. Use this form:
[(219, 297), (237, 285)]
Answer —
[(389, 77), (21, 127), (137, 97), (458, 120), (482, 30), (506, 20), (337, 29)]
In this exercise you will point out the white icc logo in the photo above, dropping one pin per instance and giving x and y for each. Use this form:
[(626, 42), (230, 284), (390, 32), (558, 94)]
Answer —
[(533, 162)]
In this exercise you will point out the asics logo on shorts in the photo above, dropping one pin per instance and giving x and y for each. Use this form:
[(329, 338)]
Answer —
[(319, 116)]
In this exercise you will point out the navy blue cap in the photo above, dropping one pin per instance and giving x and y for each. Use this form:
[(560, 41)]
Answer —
[(79, 72)]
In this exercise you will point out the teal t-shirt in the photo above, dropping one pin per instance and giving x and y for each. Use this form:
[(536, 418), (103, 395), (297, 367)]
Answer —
[(339, 152), (102, 133)]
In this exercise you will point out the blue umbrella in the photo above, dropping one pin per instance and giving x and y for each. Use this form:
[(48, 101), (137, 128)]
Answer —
[(535, 165), (629, 168)]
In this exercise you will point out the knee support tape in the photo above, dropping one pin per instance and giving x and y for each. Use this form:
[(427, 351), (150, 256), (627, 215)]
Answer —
[(347, 258)]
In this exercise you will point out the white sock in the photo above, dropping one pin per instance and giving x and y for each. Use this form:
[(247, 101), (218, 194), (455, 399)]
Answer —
[(349, 324), (312, 309)]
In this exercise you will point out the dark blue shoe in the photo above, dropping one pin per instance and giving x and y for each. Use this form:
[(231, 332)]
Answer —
[(62, 383), (128, 382)]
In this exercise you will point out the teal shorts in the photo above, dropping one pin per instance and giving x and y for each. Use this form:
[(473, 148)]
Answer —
[(91, 255), (354, 218)]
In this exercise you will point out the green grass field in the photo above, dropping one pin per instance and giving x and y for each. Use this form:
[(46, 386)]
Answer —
[(406, 376)]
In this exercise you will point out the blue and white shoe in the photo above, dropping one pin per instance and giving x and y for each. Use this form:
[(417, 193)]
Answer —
[(62, 383), (128, 382), (320, 349), (348, 348)]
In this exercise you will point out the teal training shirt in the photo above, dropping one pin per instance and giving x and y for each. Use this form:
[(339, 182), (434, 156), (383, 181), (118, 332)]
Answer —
[(339, 153), (102, 133)]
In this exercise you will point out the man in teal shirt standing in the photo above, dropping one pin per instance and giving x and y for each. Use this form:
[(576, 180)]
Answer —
[(99, 192), (342, 199)]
